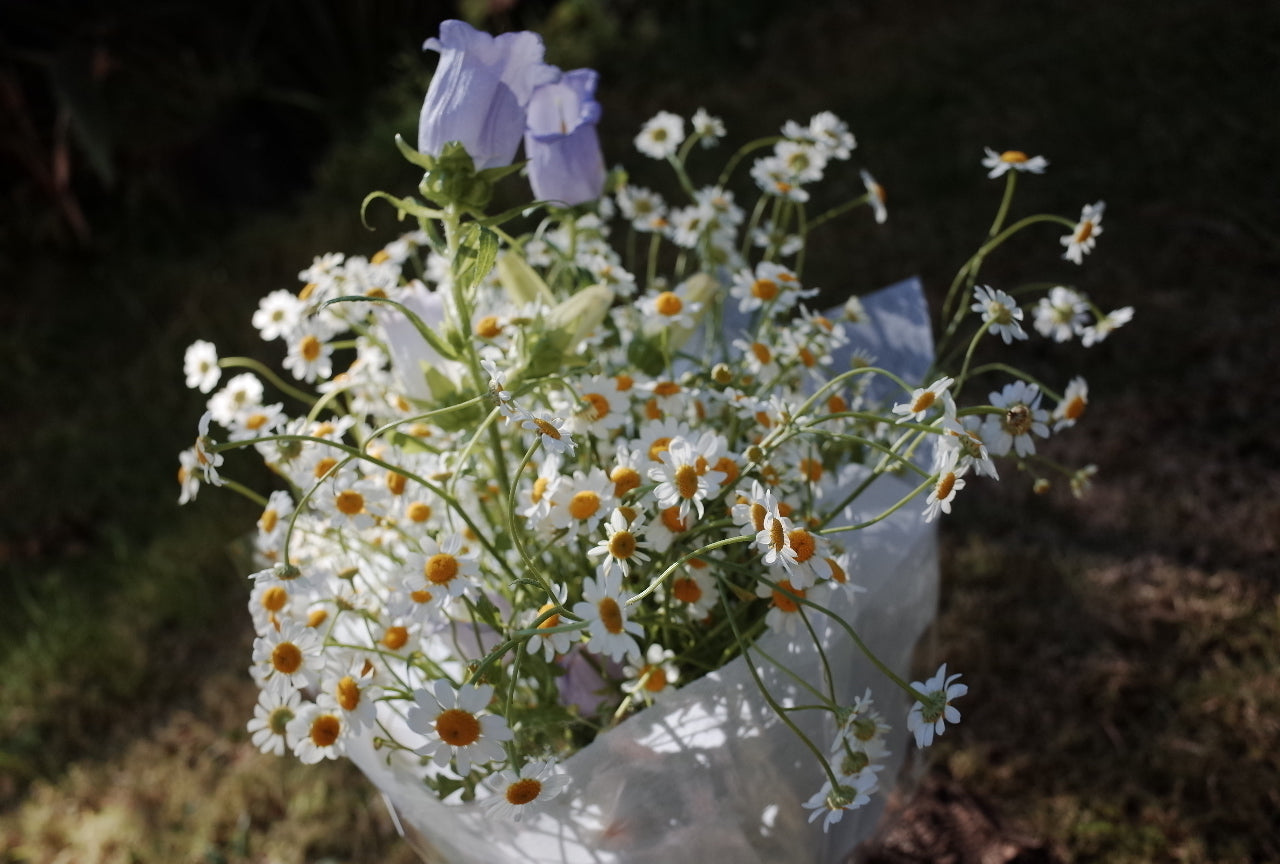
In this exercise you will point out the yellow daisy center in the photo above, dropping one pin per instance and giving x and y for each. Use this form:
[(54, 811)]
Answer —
[(803, 544), (396, 637), (624, 480), (524, 791), (348, 693), (458, 728), (274, 598), (286, 658), (309, 348), (686, 590), (1013, 157), (782, 601), (686, 481), (324, 730), (668, 303), (441, 568), (610, 615), (764, 289), (622, 545), (349, 503), (584, 504), (418, 512)]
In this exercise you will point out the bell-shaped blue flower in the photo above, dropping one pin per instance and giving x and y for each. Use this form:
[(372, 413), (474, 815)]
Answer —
[(479, 92), (565, 162)]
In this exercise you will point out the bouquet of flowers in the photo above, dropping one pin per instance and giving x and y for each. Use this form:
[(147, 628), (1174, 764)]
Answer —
[(552, 471)]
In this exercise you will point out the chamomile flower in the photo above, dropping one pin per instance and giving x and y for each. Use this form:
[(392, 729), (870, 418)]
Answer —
[(1061, 314), (661, 135), (319, 731), (785, 608), (680, 483), (200, 364), (654, 675), (709, 129), (693, 590), (1103, 327), (309, 357), (831, 803), (620, 548), (580, 501), (950, 481), (523, 792), (551, 432), (238, 398), (1022, 419), (1000, 312), (643, 207), (269, 728), (279, 314), (288, 658), (930, 717), (457, 726), (876, 197), (445, 566), (549, 641), (663, 309), (768, 284), (1012, 160), (1084, 236), (609, 631), (922, 400), (1072, 406)]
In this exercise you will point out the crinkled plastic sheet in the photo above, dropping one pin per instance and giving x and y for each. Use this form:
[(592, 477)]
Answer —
[(711, 774)]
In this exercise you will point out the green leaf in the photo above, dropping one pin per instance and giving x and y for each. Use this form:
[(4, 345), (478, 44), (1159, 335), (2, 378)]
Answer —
[(479, 250)]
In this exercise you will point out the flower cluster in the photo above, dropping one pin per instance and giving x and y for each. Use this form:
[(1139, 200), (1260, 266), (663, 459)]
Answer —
[(534, 480)]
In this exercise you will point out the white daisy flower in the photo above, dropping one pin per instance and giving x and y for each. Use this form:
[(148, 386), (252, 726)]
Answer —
[(520, 793), (1103, 327), (652, 676), (876, 197), (661, 135), (1012, 160), (200, 364), (1073, 403), (1084, 236), (930, 717), (269, 728), (319, 731), (1061, 314), (1022, 418), (456, 725), (609, 631), (1000, 312), (709, 129), (922, 400)]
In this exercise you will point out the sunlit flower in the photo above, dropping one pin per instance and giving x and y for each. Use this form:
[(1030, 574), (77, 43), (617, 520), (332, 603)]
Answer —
[(457, 725), (609, 629), (521, 793)]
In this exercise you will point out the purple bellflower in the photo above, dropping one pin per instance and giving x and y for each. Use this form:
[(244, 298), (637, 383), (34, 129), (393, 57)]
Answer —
[(479, 92), (565, 162)]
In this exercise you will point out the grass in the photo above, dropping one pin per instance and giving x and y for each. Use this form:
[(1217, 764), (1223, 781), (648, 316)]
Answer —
[(1121, 650)]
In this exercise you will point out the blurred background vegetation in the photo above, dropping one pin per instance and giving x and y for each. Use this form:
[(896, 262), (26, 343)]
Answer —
[(165, 163)]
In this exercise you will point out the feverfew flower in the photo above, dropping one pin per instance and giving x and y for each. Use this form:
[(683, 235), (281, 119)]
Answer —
[(318, 731), (1073, 403), (200, 364), (1084, 236), (457, 726), (269, 728), (654, 675), (1000, 312), (950, 481), (875, 197), (1102, 328), (709, 129), (1061, 314), (931, 716), (520, 793), (922, 400), (1022, 418), (1012, 160), (661, 135), (833, 802), (603, 608)]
